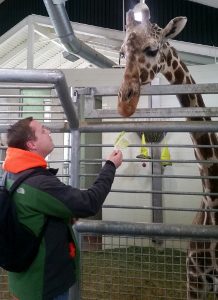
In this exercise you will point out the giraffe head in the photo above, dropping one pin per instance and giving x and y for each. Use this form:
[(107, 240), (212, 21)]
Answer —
[(143, 49)]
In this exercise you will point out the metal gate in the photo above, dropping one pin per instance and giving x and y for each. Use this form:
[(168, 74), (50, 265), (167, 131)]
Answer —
[(139, 249)]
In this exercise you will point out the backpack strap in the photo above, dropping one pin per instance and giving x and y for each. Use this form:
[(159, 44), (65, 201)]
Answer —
[(15, 185), (20, 179)]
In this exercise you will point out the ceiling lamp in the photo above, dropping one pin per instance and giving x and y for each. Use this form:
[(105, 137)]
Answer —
[(138, 8)]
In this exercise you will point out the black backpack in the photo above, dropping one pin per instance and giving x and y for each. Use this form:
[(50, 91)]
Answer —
[(18, 244)]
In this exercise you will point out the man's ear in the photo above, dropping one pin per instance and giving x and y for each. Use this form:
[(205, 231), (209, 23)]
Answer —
[(31, 145)]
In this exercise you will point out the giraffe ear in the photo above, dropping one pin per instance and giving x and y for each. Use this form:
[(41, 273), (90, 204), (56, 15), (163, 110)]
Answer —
[(174, 27), (130, 20)]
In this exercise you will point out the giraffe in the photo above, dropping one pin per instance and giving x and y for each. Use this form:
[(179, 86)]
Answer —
[(147, 52)]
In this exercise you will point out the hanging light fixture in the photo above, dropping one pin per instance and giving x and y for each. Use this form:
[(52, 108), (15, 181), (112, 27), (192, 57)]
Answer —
[(138, 8)]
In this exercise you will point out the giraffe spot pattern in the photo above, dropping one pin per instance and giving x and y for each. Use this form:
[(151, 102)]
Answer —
[(168, 76), (144, 76), (179, 76), (175, 64)]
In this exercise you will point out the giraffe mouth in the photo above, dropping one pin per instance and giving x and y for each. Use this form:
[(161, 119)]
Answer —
[(127, 108)]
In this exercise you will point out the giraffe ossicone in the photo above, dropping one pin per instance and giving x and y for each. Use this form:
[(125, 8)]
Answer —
[(147, 53)]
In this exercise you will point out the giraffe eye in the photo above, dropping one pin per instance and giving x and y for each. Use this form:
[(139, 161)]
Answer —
[(122, 54), (150, 52)]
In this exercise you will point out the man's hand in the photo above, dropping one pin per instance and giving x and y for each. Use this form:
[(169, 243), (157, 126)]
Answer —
[(116, 157)]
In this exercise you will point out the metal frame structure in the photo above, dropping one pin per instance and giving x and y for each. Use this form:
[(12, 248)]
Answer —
[(69, 121)]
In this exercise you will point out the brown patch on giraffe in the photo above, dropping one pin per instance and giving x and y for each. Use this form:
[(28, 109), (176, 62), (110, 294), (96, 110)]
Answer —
[(213, 138), (204, 139), (200, 101), (216, 249), (184, 66), (194, 245), (148, 65), (155, 68), (192, 80), (175, 64), (188, 81), (169, 58), (184, 100), (203, 259), (192, 96), (196, 281), (213, 171), (168, 76), (131, 66), (144, 75), (141, 60), (179, 76), (152, 74), (175, 55), (127, 77)]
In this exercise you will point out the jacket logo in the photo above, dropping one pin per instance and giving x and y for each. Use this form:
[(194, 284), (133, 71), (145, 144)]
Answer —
[(20, 190)]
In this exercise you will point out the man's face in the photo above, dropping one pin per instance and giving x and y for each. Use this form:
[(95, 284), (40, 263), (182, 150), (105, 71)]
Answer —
[(43, 144)]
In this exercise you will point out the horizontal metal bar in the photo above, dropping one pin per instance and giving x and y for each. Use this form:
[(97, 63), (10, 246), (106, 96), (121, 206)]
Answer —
[(178, 112), (55, 147), (208, 88), (27, 104), (147, 229), (154, 145), (30, 112), (177, 209), (20, 86), (171, 126), (183, 193), (25, 114), (153, 176), (55, 127), (155, 160), (164, 192), (28, 96)]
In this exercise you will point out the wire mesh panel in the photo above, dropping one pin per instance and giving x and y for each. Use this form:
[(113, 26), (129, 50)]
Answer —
[(125, 271), (133, 267)]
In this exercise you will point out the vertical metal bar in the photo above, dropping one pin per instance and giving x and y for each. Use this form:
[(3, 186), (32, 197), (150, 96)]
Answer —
[(30, 44), (75, 157), (157, 215), (74, 181), (123, 15)]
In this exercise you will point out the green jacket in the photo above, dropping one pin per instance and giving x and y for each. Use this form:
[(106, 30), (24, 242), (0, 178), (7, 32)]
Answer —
[(44, 196)]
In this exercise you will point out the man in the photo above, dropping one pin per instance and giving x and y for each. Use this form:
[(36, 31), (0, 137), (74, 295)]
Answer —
[(44, 197)]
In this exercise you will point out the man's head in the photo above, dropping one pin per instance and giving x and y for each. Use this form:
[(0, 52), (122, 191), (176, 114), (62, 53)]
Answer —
[(29, 134)]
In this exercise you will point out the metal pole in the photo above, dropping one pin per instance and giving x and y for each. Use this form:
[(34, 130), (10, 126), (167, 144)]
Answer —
[(171, 126), (148, 229)]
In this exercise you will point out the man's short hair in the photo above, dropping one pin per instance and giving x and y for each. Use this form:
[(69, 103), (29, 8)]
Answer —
[(20, 133)]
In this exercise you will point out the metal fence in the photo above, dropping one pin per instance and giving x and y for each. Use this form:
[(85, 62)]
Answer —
[(123, 261), (133, 259)]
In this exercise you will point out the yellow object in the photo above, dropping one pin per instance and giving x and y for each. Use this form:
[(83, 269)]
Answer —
[(144, 150), (165, 155), (121, 142)]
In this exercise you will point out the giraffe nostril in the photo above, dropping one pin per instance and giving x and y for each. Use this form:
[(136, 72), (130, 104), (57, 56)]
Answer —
[(129, 94)]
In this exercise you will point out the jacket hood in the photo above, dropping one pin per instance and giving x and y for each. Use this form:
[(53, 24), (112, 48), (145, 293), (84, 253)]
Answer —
[(18, 160)]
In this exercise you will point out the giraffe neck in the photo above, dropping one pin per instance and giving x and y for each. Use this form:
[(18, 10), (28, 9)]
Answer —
[(176, 72)]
